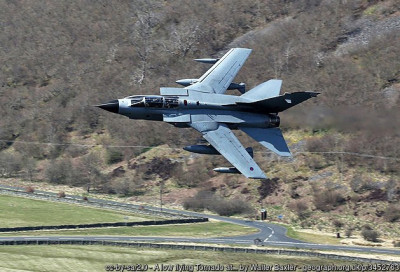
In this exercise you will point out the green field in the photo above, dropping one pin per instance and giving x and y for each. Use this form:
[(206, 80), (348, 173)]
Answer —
[(95, 258), (207, 229), (23, 212), (18, 211)]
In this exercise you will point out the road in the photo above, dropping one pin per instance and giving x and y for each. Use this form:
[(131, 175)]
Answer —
[(269, 234), (244, 240)]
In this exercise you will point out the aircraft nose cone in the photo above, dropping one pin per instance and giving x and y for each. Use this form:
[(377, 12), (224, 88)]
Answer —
[(112, 106)]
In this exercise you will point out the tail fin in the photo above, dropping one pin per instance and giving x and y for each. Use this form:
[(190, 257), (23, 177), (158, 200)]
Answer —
[(268, 89)]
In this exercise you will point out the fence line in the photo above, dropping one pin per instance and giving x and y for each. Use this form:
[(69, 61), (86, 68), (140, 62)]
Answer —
[(197, 248), (106, 225)]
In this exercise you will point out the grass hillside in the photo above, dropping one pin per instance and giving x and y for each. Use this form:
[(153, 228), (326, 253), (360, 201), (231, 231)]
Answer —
[(58, 58), (23, 212)]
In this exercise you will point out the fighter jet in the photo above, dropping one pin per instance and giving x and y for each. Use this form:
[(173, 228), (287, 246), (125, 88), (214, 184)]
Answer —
[(203, 105)]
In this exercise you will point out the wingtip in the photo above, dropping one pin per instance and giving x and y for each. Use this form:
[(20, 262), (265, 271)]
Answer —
[(241, 48), (259, 177), (286, 154)]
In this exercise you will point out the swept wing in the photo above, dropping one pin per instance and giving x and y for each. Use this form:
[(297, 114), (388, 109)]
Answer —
[(223, 140), (218, 78)]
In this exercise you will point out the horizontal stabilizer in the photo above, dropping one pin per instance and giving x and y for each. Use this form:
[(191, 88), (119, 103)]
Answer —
[(268, 89), (270, 138), (279, 103)]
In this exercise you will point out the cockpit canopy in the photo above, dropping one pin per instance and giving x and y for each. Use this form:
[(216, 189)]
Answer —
[(154, 101)]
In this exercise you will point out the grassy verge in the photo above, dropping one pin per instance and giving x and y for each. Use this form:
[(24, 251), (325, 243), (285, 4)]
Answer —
[(19, 211), (94, 258), (310, 237), (208, 229)]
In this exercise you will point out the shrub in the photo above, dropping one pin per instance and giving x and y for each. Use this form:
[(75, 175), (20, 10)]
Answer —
[(232, 182), (318, 144), (327, 200), (267, 187), (161, 166), (30, 189), (199, 201), (369, 234), (356, 183), (392, 191), (316, 161), (190, 176), (376, 195), (225, 207), (392, 213), (194, 204), (361, 183), (60, 171), (349, 232), (300, 207), (229, 207), (124, 186), (293, 191), (61, 194), (10, 164), (338, 225), (114, 156)]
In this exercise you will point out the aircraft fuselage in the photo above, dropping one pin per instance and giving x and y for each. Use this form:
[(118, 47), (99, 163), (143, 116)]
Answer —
[(181, 110)]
